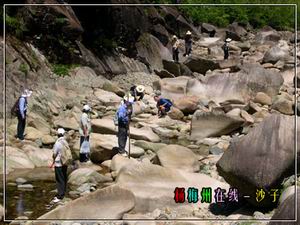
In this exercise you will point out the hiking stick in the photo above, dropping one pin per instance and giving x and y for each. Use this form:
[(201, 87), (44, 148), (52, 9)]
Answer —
[(129, 142)]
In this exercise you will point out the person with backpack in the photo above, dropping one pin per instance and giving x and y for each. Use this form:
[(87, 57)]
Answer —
[(163, 105), (123, 117), (84, 131), (188, 43), (137, 92), (226, 48), (62, 157), (20, 110)]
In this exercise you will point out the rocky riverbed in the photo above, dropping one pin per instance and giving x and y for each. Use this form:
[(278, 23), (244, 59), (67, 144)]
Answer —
[(232, 125)]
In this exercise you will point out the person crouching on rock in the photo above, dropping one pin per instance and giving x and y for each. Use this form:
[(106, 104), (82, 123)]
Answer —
[(226, 48), (84, 131), (137, 92), (188, 43), (123, 117), (62, 157), (175, 48), (163, 105)]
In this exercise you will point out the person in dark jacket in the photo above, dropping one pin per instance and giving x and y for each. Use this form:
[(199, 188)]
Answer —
[(226, 48), (188, 43), (137, 92), (21, 114), (163, 105)]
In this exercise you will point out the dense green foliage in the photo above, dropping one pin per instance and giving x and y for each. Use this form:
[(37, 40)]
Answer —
[(63, 69), (15, 25), (277, 16)]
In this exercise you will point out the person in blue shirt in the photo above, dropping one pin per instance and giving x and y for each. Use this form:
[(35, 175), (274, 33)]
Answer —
[(163, 105), (22, 110), (123, 116)]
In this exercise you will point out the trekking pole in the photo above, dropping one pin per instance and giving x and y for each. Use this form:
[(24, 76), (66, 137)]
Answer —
[(129, 142)]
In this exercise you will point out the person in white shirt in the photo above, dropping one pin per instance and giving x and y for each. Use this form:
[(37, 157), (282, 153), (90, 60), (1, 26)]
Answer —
[(85, 130), (60, 170)]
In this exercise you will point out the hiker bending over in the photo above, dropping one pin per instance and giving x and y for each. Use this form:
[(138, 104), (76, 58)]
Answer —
[(84, 131), (20, 110), (188, 43), (163, 105), (226, 48), (123, 117), (175, 48), (62, 157), (137, 92)]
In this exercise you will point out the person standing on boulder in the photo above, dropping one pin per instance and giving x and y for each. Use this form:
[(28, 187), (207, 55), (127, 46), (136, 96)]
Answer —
[(137, 92), (84, 131), (61, 159), (175, 48), (188, 43), (163, 105), (226, 48), (21, 111), (123, 116)]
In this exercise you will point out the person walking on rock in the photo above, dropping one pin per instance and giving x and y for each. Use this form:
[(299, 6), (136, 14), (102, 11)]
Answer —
[(226, 48), (123, 116), (137, 92), (188, 43), (20, 109), (84, 131), (163, 105), (175, 48), (62, 157)]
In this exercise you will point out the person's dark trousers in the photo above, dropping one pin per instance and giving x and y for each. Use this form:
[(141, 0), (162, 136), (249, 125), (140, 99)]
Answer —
[(21, 126), (61, 181), (83, 157), (175, 55), (226, 54), (122, 137)]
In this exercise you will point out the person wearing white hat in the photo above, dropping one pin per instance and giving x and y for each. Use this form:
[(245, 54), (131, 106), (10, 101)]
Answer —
[(226, 48), (188, 43), (175, 48), (21, 111), (84, 131), (60, 168), (137, 92)]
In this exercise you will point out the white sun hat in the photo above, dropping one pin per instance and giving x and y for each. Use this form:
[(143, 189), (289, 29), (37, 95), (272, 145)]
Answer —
[(61, 131), (174, 37), (140, 88), (228, 40), (86, 108), (188, 32), (27, 93)]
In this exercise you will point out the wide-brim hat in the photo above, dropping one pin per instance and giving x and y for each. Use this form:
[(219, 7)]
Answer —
[(174, 37), (27, 93), (188, 32), (86, 108), (140, 88), (228, 40)]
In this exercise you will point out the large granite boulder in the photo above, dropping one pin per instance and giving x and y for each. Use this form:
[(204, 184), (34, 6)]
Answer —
[(249, 162), (108, 203), (153, 186), (106, 126), (213, 124), (287, 210), (178, 157)]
